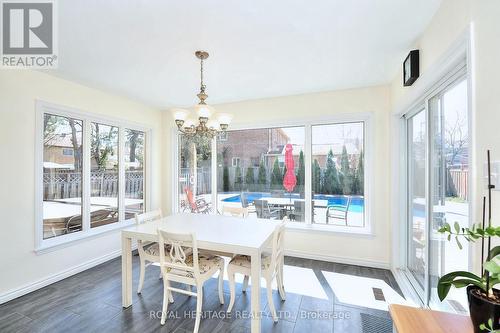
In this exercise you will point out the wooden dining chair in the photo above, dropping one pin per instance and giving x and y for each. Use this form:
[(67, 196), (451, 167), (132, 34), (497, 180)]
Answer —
[(271, 265), (191, 268), (235, 211), (149, 253)]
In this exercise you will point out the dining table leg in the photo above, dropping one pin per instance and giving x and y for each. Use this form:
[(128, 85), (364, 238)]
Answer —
[(126, 271), (255, 296)]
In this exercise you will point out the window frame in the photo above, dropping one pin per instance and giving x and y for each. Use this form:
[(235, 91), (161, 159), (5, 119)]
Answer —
[(455, 74), (42, 108), (366, 117)]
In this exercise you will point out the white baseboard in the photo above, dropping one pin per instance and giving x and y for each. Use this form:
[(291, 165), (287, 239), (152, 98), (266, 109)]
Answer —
[(10, 295), (341, 260)]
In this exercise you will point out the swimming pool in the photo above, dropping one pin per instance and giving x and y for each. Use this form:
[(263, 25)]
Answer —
[(356, 206)]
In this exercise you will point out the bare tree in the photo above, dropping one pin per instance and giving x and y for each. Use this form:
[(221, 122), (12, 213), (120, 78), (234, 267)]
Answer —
[(74, 141), (456, 136)]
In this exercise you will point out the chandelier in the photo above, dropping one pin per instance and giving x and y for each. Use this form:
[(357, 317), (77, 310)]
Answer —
[(209, 124)]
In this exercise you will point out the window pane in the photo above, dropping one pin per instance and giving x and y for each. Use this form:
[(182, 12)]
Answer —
[(252, 172), (134, 173), (104, 175), (417, 206), (450, 180), (195, 174), (62, 175), (338, 174)]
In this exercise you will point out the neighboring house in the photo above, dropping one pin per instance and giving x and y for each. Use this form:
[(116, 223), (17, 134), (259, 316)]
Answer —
[(247, 148), (60, 152)]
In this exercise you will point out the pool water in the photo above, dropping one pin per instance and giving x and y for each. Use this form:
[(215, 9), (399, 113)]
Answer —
[(356, 206)]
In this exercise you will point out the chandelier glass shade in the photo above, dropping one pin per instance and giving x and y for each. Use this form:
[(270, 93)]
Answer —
[(209, 123)]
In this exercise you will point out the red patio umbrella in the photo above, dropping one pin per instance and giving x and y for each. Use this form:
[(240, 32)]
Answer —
[(289, 181)]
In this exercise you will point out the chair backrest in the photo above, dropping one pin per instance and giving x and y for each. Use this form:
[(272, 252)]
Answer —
[(176, 263), (278, 244), (244, 200), (299, 206), (190, 198), (148, 216), (235, 211), (260, 207)]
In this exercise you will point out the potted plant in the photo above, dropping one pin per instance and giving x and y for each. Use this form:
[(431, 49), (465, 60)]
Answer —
[(484, 299)]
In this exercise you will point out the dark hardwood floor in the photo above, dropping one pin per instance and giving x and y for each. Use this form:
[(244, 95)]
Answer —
[(91, 302)]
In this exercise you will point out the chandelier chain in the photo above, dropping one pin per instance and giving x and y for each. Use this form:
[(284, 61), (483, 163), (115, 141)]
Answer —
[(202, 85)]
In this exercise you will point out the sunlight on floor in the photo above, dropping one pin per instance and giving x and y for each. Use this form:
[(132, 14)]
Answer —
[(298, 280), (357, 290)]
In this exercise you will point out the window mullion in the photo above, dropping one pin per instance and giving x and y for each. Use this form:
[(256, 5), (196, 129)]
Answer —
[(86, 175), (213, 184), (121, 174), (308, 174)]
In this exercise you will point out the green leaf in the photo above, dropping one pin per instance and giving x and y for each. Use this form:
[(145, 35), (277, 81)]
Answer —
[(466, 278), (490, 323), (457, 227), (491, 231), (494, 252), (492, 267), (482, 327), (449, 237), (458, 243)]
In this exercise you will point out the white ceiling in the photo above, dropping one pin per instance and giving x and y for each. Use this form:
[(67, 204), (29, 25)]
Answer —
[(260, 48)]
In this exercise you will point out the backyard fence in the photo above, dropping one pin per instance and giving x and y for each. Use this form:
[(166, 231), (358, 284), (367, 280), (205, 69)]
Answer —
[(460, 183), (64, 184), (203, 180)]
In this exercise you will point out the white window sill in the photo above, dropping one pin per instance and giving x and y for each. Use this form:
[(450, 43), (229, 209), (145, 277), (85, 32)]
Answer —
[(59, 242), (331, 229)]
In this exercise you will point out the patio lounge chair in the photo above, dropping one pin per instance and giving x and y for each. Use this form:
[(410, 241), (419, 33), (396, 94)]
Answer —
[(338, 212), (197, 205), (97, 218), (264, 211)]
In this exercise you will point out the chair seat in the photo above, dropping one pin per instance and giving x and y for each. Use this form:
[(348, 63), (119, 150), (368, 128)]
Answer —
[(154, 249), (246, 262), (206, 263)]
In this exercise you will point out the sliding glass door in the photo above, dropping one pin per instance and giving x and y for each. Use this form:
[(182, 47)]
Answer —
[(437, 153), (449, 182), (417, 205)]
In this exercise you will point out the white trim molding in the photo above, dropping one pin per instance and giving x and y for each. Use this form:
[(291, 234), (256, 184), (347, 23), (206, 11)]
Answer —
[(28, 288), (367, 118), (50, 244), (340, 260)]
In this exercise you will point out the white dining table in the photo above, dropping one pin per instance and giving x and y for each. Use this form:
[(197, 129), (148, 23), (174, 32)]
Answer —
[(213, 233)]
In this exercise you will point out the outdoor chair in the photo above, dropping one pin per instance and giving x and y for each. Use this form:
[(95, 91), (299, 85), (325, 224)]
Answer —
[(97, 218), (244, 200), (197, 205), (264, 211), (299, 211), (338, 212)]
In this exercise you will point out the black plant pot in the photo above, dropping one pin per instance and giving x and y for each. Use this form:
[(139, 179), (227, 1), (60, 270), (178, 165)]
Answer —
[(482, 309)]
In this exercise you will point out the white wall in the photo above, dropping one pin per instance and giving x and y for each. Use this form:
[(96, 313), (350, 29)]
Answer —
[(369, 250), (448, 24), (20, 266)]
